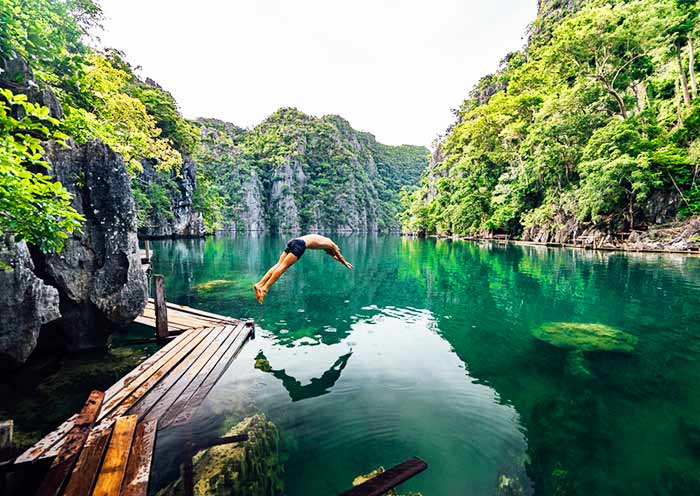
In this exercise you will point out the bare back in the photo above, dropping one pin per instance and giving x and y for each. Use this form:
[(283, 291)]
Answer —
[(318, 242)]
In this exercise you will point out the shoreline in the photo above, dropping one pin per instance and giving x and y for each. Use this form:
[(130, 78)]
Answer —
[(587, 247)]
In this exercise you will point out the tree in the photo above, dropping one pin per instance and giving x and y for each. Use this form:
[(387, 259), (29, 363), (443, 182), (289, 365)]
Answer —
[(33, 206)]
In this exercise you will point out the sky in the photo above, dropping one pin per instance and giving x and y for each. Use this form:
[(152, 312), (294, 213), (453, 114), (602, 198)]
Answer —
[(394, 68)]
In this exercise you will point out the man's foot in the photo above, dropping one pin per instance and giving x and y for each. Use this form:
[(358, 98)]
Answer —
[(259, 295)]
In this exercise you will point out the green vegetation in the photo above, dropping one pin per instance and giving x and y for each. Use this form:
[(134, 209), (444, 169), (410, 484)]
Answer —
[(585, 337), (591, 123), (32, 206)]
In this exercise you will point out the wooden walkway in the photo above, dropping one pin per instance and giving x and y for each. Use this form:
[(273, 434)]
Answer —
[(181, 318), (107, 448)]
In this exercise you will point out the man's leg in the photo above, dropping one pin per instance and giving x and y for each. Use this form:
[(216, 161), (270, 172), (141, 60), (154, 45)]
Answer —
[(279, 269), (258, 286)]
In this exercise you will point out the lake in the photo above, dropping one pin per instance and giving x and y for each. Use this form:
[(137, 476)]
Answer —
[(427, 349)]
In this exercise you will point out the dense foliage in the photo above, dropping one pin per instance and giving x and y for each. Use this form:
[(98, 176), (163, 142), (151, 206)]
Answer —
[(32, 205), (594, 122), (306, 172)]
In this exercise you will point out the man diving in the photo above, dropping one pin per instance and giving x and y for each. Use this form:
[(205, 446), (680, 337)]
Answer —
[(293, 252)]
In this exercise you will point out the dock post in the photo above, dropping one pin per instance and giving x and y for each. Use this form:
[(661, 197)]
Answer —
[(161, 309), (148, 249), (251, 324), (6, 441)]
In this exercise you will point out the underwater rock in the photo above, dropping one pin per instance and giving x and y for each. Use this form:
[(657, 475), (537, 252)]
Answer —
[(585, 337), (206, 287), (250, 468), (26, 303)]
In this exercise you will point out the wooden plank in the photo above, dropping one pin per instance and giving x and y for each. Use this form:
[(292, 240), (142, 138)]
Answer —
[(109, 480), (159, 391), (199, 368), (213, 377), (386, 481), (197, 311), (169, 417), (123, 406), (64, 462), (160, 367), (40, 448), (161, 307), (138, 470), (85, 472)]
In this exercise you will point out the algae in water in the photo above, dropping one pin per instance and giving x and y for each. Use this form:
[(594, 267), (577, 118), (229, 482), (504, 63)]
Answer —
[(585, 337)]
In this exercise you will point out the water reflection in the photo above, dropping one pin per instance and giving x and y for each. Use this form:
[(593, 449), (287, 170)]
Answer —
[(316, 387)]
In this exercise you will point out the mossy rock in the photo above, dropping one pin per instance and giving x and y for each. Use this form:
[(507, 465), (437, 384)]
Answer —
[(585, 337), (250, 468), (215, 285)]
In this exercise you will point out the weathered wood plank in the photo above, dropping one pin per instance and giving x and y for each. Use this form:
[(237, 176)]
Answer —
[(196, 383), (199, 312), (161, 307), (386, 481), (154, 376), (159, 368), (153, 360), (138, 470), (159, 391), (47, 442), (63, 464), (192, 374), (85, 472), (109, 480), (213, 377)]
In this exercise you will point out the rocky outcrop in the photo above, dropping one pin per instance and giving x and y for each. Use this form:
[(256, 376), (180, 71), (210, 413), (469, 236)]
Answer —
[(19, 78), (26, 303), (184, 221), (98, 273)]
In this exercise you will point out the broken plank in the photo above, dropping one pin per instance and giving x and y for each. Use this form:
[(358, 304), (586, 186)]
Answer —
[(190, 376), (199, 396), (159, 391), (63, 464), (138, 470), (194, 386), (85, 472), (109, 480), (389, 479), (40, 448)]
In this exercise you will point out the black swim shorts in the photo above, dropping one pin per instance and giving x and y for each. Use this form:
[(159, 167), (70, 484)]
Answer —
[(296, 247)]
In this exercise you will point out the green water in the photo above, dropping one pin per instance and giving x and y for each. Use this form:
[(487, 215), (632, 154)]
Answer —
[(426, 349)]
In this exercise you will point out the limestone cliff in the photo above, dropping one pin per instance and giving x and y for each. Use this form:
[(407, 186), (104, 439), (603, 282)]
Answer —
[(297, 172)]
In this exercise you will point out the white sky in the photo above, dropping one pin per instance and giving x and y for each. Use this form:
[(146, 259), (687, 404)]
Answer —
[(393, 68)]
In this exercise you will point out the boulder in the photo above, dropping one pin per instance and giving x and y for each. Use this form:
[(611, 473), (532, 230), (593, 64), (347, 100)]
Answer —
[(26, 303), (98, 273)]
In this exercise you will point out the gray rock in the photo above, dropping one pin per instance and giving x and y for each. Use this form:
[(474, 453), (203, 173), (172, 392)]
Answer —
[(19, 78), (98, 273), (185, 222), (26, 303)]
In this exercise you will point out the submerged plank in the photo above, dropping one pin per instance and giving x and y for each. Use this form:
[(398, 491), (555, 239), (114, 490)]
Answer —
[(386, 481), (197, 368), (158, 391), (196, 383), (85, 472), (111, 474), (64, 462), (213, 377), (138, 470)]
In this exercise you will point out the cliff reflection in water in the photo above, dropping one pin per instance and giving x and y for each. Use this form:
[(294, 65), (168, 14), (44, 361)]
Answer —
[(630, 425)]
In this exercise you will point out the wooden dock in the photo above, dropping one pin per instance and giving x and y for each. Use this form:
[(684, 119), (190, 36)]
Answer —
[(107, 448)]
